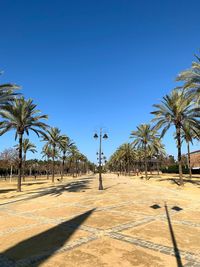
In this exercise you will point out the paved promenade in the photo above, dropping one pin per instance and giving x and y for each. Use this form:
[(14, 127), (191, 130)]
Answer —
[(132, 222)]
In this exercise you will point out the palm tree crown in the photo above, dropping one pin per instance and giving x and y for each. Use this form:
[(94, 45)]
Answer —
[(7, 92), (22, 116), (28, 146), (191, 77), (143, 136), (176, 109)]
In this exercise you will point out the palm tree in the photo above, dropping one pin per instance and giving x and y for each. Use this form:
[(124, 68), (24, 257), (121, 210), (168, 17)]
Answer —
[(22, 116), (191, 77), (176, 109), (143, 138), (139, 157), (125, 154), (65, 144), (7, 92), (48, 153), (83, 163), (188, 134), (27, 146), (53, 138), (74, 154), (156, 150)]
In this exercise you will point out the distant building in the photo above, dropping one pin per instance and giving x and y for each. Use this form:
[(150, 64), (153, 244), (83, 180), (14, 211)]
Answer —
[(195, 159)]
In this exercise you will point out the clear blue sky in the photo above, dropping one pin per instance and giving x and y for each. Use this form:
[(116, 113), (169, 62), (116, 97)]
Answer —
[(97, 63)]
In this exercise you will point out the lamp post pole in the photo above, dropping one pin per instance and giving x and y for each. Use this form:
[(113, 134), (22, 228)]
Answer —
[(105, 136), (100, 167)]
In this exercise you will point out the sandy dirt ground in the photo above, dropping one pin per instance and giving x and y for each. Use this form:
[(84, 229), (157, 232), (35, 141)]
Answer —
[(132, 222)]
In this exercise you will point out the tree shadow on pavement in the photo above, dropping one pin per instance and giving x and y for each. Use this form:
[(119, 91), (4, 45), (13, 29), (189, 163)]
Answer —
[(177, 181), (75, 186), (3, 191), (40, 247)]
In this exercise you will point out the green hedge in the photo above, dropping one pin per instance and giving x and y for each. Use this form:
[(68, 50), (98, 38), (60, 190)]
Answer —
[(174, 169)]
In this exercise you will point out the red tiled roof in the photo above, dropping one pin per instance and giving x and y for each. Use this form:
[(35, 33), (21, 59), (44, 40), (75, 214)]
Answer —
[(194, 152)]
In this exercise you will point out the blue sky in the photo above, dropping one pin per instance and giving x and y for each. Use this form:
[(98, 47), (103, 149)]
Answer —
[(97, 63)]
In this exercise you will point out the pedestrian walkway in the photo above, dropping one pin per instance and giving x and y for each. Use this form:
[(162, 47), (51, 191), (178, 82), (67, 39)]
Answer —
[(130, 223)]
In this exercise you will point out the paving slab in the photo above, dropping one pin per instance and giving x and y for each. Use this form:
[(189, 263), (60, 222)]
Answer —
[(187, 237), (109, 253)]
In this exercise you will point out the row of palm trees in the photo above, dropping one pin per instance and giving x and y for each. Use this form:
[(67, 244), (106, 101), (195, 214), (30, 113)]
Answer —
[(146, 149), (179, 109), (60, 146), (22, 116)]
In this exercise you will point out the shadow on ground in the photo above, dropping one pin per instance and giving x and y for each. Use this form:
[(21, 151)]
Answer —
[(74, 186), (111, 186), (175, 246), (40, 247), (177, 181), (2, 191), (36, 183)]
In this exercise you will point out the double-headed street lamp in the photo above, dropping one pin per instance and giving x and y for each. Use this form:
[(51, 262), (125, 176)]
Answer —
[(100, 158)]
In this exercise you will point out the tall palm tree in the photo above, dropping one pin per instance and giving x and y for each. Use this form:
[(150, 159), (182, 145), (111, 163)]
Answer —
[(191, 77), (22, 116), (53, 137), (27, 146), (176, 109), (64, 145), (143, 138)]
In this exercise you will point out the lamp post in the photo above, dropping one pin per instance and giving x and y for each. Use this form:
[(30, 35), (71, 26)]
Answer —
[(100, 158)]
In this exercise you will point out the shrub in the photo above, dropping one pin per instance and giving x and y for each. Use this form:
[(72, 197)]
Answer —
[(174, 169)]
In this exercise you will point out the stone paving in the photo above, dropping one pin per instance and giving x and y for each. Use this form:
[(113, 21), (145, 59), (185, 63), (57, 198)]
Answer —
[(33, 227)]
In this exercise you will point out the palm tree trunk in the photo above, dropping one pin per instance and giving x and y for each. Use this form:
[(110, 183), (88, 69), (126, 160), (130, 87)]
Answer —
[(47, 168), (158, 171), (20, 163), (145, 160), (189, 163), (63, 165), (150, 167), (76, 168), (53, 163), (62, 169), (11, 170), (178, 134), (23, 169), (128, 167)]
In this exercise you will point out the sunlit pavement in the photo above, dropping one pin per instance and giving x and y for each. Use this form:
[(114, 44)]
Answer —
[(132, 222)]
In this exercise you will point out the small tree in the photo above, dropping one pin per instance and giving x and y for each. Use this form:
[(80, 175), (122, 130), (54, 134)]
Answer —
[(10, 158)]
